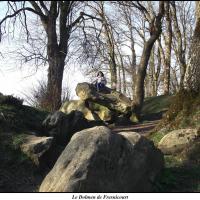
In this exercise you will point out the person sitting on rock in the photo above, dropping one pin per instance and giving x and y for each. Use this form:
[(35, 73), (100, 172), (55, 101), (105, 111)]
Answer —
[(100, 81)]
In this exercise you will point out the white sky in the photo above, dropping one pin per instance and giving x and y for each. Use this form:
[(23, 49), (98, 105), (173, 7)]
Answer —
[(16, 81)]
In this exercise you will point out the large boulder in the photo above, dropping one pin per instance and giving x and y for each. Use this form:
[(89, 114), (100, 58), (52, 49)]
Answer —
[(62, 126), (112, 99), (97, 160), (106, 105), (177, 140)]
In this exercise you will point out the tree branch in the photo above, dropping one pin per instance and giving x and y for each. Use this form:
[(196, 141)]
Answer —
[(17, 12), (44, 7)]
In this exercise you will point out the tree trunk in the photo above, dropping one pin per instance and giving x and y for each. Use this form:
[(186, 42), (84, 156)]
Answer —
[(119, 80), (168, 46), (123, 79), (121, 69), (152, 74), (141, 73), (133, 66), (113, 71), (180, 53), (192, 80), (56, 61), (154, 35), (157, 74)]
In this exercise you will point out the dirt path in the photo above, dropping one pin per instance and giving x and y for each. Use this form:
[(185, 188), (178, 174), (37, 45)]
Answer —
[(143, 128)]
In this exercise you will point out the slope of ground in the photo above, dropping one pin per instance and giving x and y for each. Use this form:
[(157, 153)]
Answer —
[(155, 107), (184, 112), (17, 172)]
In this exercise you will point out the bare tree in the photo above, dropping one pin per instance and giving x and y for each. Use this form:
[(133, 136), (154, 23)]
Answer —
[(58, 19)]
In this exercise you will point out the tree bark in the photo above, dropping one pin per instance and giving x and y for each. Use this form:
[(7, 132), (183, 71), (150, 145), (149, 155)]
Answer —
[(152, 74), (56, 57), (168, 46), (192, 80), (180, 53)]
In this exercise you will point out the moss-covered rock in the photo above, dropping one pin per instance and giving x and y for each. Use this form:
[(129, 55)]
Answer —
[(79, 105), (106, 105), (113, 100), (133, 118), (102, 111)]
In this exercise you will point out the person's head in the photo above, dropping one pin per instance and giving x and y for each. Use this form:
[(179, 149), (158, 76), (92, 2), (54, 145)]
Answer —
[(100, 73)]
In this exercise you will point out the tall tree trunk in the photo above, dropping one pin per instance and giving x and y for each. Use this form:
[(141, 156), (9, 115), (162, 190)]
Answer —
[(113, 70), (180, 53), (141, 74), (152, 74), (192, 80), (56, 55), (168, 46), (119, 80), (123, 79), (56, 66), (157, 74), (122, 82), (133, 66), (154, 35), (54, 85)]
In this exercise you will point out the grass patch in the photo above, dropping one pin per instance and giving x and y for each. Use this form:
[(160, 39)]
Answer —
[(178, 177)]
